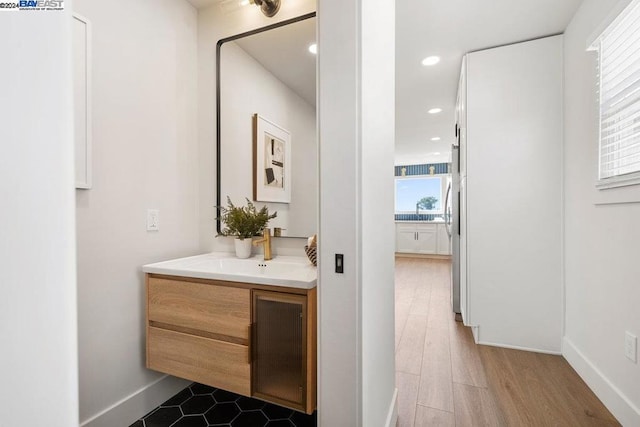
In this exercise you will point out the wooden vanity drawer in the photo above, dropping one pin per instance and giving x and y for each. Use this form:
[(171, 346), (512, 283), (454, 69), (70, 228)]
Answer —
[(223, 312), (208, 361)]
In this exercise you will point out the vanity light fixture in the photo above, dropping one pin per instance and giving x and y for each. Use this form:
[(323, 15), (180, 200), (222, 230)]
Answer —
[(268, 7), (435, 110), (313, 48), (435, 138), (430, 60)]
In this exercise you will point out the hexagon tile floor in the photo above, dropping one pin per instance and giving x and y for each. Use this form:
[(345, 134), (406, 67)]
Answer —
[(203, 406)]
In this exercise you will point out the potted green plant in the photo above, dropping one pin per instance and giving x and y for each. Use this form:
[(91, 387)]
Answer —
[(244, 222)]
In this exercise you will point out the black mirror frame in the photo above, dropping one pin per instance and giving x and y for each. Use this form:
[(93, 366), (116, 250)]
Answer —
[(218, 124)]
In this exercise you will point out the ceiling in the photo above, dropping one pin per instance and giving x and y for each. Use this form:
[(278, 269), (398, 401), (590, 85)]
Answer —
[(448, 29)]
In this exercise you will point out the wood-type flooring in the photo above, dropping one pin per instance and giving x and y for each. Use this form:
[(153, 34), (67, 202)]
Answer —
[(445, 379)]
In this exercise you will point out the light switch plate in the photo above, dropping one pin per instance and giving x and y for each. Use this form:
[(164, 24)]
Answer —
[(153, 220), (631, 347)]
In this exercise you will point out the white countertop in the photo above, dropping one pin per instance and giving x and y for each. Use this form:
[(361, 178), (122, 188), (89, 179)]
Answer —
[(287, 271), (399, 221)]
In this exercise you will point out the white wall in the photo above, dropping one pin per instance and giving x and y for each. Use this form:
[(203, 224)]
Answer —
[(376, 210), (339, 311), (513, 197), (145, 155), (356, 124), (248, 88), (215, 24), (37, 250), (602, 242)]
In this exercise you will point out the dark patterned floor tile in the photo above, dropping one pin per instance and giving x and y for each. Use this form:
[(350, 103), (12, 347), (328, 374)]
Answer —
[(191, 421), (198, 405), (178, 398), (303, 420), (163, 417), (225, 396), (222, 413), (279, 423), (202, 406), (201, 389), (248, 404), (274, 412), (250, 419)]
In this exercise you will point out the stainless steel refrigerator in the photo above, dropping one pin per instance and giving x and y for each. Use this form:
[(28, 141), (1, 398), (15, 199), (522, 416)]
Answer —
[(452, 218)]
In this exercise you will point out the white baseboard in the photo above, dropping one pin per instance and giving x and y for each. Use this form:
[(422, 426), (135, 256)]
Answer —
[(392, 416), (517, 347), (478, 340), (475, 331), (617, 402), (128, 410)]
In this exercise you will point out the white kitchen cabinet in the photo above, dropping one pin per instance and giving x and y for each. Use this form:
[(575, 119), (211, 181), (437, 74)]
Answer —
[(422, 238), (406, 239), (510, 130), (459, 248), (427, 238)]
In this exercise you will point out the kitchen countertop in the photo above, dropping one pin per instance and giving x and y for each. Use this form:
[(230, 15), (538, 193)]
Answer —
[(399, 221)]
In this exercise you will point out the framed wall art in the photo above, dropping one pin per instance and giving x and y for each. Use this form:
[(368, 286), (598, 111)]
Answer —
[(271, 162)]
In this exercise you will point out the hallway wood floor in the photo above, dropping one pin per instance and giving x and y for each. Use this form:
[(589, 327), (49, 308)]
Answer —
[(445, 379)]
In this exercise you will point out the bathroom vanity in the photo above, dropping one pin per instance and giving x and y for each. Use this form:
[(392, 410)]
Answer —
[(246, 326)]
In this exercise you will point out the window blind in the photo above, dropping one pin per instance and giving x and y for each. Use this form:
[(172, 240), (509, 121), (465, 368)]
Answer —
[(619, 77)]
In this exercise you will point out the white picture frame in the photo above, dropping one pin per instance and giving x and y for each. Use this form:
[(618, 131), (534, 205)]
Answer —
[(271, 162), (82, 101)]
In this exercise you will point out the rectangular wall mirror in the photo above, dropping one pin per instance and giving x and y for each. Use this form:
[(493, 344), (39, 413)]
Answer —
[(269, 72)]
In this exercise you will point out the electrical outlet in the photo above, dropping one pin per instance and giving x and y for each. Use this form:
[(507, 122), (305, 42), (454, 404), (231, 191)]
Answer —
[(631, 346), (153, 220)]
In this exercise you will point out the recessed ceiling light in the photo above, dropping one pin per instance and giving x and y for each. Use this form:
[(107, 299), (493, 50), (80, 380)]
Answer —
[(435, 138), (435, 110), (313, 48), (430, 60), (436, 153), (244, 3)]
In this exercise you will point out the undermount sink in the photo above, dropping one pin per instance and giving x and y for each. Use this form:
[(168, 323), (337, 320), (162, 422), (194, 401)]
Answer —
[(289, 271)]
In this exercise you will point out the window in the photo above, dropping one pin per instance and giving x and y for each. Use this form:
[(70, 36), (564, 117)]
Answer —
[(419, 194), (619, 91)]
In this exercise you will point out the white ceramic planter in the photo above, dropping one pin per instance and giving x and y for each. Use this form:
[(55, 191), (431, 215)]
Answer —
[(243, 247)]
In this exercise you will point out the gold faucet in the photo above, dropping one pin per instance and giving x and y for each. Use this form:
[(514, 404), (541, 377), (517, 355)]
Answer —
[(266, 243)]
